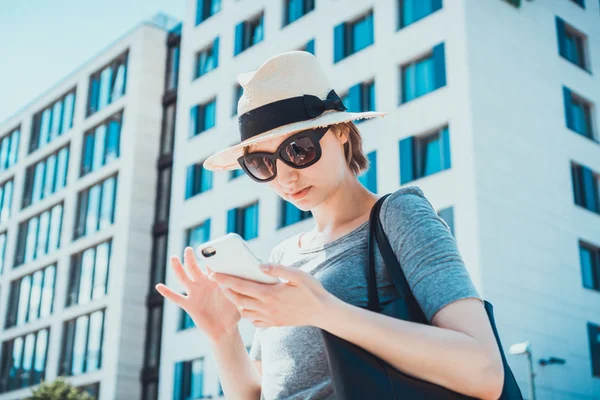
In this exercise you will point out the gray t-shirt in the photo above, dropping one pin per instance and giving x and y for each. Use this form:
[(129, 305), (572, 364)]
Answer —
[(294, 364)]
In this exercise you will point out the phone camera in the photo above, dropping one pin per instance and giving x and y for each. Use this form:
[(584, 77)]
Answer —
[(208, 252)]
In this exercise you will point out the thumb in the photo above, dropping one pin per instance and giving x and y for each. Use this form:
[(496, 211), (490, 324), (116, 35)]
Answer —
[(281, 271)]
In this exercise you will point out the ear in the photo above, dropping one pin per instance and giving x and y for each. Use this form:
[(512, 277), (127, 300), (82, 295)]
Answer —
[(342, 132)]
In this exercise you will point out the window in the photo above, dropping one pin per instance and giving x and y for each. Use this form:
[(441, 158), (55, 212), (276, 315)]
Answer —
[(185, 321), (360, 98), (369, 177), (238, 92), (589, 257), (290, 214), (235, 173), (93, 389), (424, 155), (168, 129), (447, 214), (46, 177), (82, 344), (2, 251), (6, 190), (198, 234), (101, 144), (243, 221), (414, 10), (96, 207), (425, 75), (310, 47), (31, 297), (594, 337), (207, 59), (351, 37), (189, 380), (516, 3), (163, 199), (198, 180), (295, 9), (159, 259), (578, 113), (585, 187), (248, 33), (9, 149), (579, 3), (172, 67), (23, 362), (39, 235), (153, 329), (88, 278), (203, 117), (572, 44), (206, 9), (107, 85), (52, 121)]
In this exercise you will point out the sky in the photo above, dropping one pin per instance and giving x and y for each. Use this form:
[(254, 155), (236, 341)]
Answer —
[(43, 41)]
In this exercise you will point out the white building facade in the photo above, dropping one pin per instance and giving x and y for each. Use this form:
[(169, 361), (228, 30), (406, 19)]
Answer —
[(78, 164), (479, 119)]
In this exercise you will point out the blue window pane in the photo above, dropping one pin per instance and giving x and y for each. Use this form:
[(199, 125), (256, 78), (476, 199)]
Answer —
[(6, 201), (44, 225), (310, 46), (106, 216), (431, 157), (2, 251), (105, 86), (27, 360), (118, 89), (32, 226), (112, 140), (81, 326), (257, 34), (99, 146), (447, 214), (362, 33), (294, 10), (207, 178), (50, 181), (55, 228), (369, 178), (48, 291), (199, 234), (24, 291), (94, 351), (586, 261), (101, 270), (418, 79), (414, 10), (4, 147), (250, 222), (40, 355), (197, 379), (56, 119), (14, 148), (68, 108), (210, 115)]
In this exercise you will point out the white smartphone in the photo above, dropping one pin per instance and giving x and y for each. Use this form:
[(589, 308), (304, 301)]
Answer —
[(231, 255)]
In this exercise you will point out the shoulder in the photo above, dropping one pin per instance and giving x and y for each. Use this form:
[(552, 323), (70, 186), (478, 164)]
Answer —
[(405, 203)]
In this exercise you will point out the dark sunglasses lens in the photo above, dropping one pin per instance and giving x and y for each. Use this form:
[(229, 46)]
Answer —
[(300, 152), (260, 167)]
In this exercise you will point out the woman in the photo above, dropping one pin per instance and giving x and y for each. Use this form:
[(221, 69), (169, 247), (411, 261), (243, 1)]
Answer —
[(298, 138)]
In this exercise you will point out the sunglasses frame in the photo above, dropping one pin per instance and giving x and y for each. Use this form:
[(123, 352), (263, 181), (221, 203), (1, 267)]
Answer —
[(315, 134)]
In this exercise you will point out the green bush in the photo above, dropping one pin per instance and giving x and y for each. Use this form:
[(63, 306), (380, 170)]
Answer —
[(59, 389)]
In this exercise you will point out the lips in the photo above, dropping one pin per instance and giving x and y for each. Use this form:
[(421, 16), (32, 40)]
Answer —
[(299, 194)]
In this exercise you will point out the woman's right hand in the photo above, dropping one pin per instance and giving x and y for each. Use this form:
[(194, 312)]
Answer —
[(208, 307)]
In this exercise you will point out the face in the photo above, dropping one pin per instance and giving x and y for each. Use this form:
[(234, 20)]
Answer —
[(320, 179)]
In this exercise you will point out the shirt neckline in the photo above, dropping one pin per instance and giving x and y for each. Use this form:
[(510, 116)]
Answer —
[(303, 250)]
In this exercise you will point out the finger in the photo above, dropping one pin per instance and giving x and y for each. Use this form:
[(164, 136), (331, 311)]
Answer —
[(240, 285), (241, 301), (192, 266), (169, 294), (180, 273)]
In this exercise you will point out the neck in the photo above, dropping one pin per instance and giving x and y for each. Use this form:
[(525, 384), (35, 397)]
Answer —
[(344, 208)]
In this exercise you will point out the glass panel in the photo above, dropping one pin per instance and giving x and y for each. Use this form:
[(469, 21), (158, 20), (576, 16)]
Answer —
[(105, 82), (167, 134), (101, 270), (119, 86), (112, 141), (361, 35), (38, 182), (87, 275), (6, 201), (79, 345), (17, 358), (587, 274), (257, 31), (294, 10), (209, 115), (62, 168), (50, 182), (431, 156), (251, 222), (154, 337), (67, 121), (4, 153), (99, 142), (24, 291), (36, 294), (48, 291), (173, 68), (164, 194), (40, 356), (159, 260), (56, 119), (199, 235), (45, 127), (14, 148), (27, 360), (107, 210), (425, 77), (2, 251), (55, 228), (95, 340), (42, 243), (197, 378), (32, 226), (215, 6), (91, 224)]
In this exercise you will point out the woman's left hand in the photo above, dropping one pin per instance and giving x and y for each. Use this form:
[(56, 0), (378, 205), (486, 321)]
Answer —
[(301, 301)]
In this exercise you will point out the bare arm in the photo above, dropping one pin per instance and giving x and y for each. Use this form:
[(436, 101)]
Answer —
[(239, 378)]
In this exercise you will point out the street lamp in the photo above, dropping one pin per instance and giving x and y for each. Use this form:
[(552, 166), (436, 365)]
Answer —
[(525, 348)]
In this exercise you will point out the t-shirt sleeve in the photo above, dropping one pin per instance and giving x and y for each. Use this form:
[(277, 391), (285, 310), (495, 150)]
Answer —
[(255, 349), (426, 250)]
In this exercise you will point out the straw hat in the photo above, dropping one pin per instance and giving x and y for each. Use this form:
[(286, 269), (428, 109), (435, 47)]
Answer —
[(288, 93)]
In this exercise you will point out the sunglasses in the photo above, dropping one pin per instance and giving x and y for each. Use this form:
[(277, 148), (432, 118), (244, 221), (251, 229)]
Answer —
[(299, 151)]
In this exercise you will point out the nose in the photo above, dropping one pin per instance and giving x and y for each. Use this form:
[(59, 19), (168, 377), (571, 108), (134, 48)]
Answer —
[(286, 174)]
